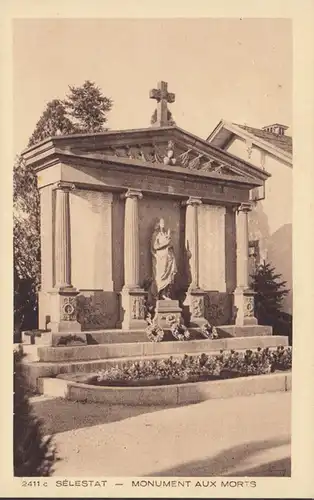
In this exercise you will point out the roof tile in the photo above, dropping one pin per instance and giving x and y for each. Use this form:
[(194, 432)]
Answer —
[(283, 142)]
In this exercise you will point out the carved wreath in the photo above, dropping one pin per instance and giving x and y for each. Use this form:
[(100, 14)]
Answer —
[(250, 306)]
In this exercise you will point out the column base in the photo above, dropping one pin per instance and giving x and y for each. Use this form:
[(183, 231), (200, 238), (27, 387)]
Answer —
[(244, 307), (167, 313), (63, 311), (195, 301), (133, 306)]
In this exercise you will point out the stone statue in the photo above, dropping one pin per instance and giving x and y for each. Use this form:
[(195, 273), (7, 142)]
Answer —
[(164, 262)]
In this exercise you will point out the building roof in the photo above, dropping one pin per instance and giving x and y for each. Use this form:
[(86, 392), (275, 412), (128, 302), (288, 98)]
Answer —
[(167, 148), (279, 146), (281, 141)]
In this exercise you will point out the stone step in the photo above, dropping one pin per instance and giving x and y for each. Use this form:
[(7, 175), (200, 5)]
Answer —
[(172, 394), (107, 351), (35, 370), (45, 338)]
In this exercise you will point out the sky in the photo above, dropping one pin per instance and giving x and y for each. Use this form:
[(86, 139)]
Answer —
[(239, 70)]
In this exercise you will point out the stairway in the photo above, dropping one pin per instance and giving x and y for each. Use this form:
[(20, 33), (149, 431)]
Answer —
[(47, 361)]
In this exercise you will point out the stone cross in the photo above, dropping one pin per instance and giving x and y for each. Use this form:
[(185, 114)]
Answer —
[(162, 97)]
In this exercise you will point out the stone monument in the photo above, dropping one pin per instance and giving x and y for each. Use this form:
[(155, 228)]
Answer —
[(98, 196)]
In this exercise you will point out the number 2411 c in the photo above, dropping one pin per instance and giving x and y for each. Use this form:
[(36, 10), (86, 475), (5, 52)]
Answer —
[(33, 483)]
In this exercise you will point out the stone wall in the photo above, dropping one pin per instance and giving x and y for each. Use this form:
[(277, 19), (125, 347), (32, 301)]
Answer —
[(91, 256), (218, 308), (212, 248)]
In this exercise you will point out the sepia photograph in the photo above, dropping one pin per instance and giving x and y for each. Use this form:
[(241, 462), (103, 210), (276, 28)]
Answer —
[(152, 221)]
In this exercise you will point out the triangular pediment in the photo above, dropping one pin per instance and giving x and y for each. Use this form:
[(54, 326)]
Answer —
[(170, 147)]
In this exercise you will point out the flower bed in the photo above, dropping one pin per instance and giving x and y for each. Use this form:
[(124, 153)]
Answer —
[(195, 368)]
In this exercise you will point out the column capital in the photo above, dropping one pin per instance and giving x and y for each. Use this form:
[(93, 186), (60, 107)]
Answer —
[(193, 201), (133, 193), (245, 207), (64, 186)]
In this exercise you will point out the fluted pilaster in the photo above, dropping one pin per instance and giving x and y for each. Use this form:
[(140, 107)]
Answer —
[(195, 296), (63, 304), (243, 295), (191, 228), (243, 246), (131, 239), (62, 235)]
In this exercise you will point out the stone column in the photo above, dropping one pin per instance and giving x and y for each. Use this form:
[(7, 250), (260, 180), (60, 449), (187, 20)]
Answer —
[(243, 295), (63, 295), (131, 239), (195, 296), (191, 239), (133, 297), (62, 236)]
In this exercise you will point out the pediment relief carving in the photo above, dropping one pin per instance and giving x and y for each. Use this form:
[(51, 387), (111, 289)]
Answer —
[(169, 153)]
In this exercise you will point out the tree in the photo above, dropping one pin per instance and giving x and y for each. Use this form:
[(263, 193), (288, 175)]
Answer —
[(26, 247), (34, 454), (84, 111), (169, 118), (53, 121), (270, 291), (88, 107)]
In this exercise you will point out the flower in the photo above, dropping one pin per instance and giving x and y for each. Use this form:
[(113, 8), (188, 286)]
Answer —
[(154, 333), (179, 331), (209, 332)]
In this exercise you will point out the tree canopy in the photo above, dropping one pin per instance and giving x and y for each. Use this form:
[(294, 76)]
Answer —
[(52, 122), (88, 107)]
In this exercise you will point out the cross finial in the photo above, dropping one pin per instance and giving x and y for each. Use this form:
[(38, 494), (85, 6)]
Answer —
[(162, 97)]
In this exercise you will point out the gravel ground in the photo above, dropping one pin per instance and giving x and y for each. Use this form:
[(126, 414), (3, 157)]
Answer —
[(247, 436)]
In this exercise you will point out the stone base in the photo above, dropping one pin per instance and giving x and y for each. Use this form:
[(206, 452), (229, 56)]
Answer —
[(226, 331), (64, 327), (92, 358), (133, 307), (195, 301), (244, 307), (167, 312), (54, 339), (63, 311)]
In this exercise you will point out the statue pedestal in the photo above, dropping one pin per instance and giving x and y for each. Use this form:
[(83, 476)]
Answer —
[(167, 312)]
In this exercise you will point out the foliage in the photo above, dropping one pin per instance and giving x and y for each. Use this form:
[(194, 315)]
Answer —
[(281, 359), (84, 110), (70, 339), (25, 305), (34, 454), (26, 246), (270, 291), (88, 107), (169, 118), (53, 121), (261, 361)]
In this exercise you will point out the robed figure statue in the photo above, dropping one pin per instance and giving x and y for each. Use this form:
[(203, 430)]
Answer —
[(164, 262)]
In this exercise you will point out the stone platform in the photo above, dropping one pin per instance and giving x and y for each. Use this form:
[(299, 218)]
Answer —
[(49, 361), (116, 336)]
